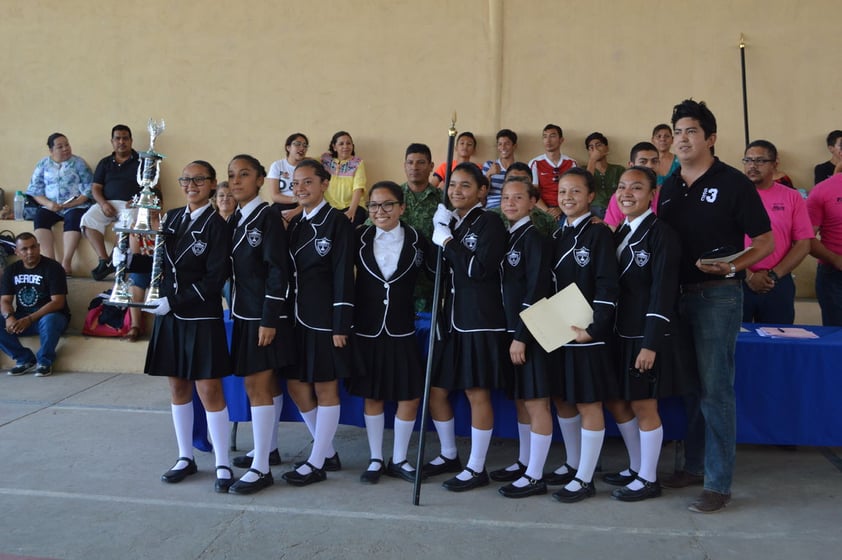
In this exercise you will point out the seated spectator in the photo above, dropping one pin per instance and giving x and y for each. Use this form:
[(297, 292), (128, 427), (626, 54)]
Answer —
[(824, 170), (33, 300), (768, 289), (347, 178), (667, 162), (466, 145), (61, 183), (115, 183), (495, 170), (548, 167), (279, 177), (606, 175)]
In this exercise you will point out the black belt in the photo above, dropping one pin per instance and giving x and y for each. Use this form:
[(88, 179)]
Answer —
[(702, 286)]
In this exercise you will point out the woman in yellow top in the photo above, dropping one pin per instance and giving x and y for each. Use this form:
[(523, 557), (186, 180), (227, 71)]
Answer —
[(347, 177)]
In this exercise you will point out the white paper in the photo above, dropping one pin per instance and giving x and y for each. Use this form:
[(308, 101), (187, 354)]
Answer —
[(550, 320)]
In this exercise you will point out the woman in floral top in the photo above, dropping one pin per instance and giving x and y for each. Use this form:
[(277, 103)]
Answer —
[(61, 183), (347, 178)]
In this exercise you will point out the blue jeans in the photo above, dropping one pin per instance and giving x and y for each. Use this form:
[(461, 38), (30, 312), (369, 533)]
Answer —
[(829, 294), (713, 317), (776, 307), (49, 329)]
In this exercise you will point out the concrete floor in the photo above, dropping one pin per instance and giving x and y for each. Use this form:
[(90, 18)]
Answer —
[(83, 453)]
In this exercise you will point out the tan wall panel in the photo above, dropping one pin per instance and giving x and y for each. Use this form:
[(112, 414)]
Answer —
[(232, 78)]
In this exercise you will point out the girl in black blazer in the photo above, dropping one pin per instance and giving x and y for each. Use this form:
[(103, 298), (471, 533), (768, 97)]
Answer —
[(261, 343), (583, 253), (321, 245), (653, 362), (188, 342), (474, 353), (389, 257), (526, 280)]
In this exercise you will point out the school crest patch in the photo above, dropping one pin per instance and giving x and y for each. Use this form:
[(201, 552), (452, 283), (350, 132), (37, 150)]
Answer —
[(254, 237), (513, 257), (198, 247), (470, 242), (323, 246), (582, 256), (641, 258)]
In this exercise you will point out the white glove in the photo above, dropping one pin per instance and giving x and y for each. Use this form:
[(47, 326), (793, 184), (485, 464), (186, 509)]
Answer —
[(441, 234), (161, 306), (442, 216)]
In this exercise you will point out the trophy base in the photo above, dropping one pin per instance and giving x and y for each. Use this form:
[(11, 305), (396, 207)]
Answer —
[(129, 304)]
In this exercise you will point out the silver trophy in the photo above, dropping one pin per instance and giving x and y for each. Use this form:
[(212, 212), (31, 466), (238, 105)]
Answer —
[(145, 210)]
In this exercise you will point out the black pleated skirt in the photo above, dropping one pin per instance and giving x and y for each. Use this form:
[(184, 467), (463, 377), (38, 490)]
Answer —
[(672, 375), (188, 349), (386, 368), (318, 359), (532, 379), (249, 358), (590, 373), (474, 359)]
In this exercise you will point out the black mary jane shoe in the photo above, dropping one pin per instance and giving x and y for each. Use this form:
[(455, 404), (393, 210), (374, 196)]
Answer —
[(177, 475), (448, 466), (477, 479), (332, 464), (586, 490), (396, 470), (373, 477), (649, 490), (619, 479), (534, 488), (555, 479), (503, 475), (244, 461), (294, 478), (222, 485), (264, 480)]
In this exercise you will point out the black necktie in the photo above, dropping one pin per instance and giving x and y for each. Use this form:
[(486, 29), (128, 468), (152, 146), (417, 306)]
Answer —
[(185, 223), (237, 217), (621, 234)]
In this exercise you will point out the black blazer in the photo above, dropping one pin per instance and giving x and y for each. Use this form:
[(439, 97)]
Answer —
[(585, 255), (195, 264), (387, 305), (474, 291), (261, 268), (322, 251), (649, 292), (526, 276)]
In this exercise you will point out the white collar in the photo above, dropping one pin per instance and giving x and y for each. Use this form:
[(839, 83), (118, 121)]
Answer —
[(247, 210), (307, 215), (525, 220), (460, 219), (197, 212), (634, 224), (578, 220), (394, 233)]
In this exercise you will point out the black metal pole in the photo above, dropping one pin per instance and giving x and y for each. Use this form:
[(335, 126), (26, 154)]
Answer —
[(428, 376), (745, 92)]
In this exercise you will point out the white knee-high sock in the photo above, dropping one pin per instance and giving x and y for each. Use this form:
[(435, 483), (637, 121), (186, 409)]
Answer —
[(447, 439), (403, 433), (591, 446), (262, 419), (278, 403), (480, 440), (539, 447), (310, 419), (631, 437), (374, 426), (182, 420), (650, 451), (571, 432), (327, 420), (523, 433), (220, 434)]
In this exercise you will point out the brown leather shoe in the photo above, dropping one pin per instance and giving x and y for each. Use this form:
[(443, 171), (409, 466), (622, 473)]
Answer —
[(710, 502), (682, 479)]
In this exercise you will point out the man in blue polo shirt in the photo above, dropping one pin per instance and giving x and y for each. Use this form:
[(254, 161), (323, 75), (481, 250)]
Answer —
[(712, 207), (115, 183)]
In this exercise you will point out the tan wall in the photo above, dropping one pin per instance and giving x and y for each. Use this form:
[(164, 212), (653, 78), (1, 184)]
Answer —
[(238, 77)]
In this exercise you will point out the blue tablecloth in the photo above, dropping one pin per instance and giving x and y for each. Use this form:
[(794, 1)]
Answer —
[(787, 390)]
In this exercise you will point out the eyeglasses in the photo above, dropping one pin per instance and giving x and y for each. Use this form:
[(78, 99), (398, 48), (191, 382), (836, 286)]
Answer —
[(756, 161), (300, 144), (198, 181), (387, 206)]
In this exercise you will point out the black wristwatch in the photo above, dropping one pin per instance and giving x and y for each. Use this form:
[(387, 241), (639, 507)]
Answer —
[(773, 275)]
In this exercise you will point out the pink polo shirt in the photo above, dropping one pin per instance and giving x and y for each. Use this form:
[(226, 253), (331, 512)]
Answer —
[(790, 222), (824, 205), (614, 216)]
